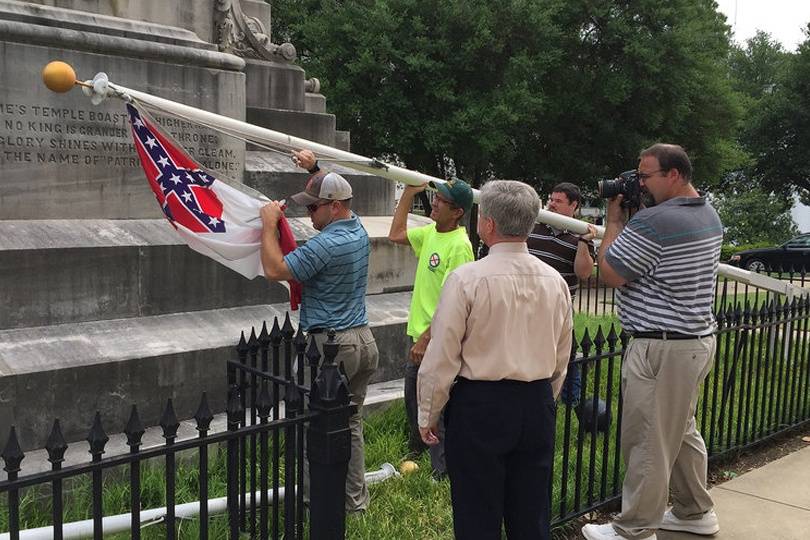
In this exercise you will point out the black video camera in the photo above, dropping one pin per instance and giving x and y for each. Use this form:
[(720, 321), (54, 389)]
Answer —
[(628, 184)]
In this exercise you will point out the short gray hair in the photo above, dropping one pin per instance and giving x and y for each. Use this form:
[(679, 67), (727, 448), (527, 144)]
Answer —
[(512, 205)]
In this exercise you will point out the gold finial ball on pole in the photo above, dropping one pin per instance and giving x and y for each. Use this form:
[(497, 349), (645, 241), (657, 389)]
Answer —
[(59, 76)]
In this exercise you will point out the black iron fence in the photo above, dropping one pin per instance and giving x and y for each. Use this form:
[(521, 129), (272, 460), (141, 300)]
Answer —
[(758, 388), (594, 298), (270, 409), (279, 392)]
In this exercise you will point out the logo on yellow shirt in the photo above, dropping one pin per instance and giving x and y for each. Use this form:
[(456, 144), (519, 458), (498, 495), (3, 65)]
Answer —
[(434, 261)]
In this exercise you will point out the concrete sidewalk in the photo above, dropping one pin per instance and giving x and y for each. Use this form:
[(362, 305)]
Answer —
[(768, 503)]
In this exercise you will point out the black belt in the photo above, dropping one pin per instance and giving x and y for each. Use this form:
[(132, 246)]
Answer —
[(325, 330), (513, 382), (666, 335)]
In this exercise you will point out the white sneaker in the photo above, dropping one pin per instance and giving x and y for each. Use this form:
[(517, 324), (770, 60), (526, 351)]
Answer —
[(707, 525), (592, 531)]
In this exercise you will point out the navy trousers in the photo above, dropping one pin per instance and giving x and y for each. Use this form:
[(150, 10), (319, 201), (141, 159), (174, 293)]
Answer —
[(499, 444)]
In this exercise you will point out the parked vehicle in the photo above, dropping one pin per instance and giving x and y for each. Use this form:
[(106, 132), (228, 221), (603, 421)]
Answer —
[(793, 254)]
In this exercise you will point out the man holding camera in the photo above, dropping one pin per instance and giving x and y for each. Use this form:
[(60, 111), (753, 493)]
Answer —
[(664, 264)]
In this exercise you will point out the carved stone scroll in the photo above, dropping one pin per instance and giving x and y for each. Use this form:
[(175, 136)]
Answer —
[(244, 36)]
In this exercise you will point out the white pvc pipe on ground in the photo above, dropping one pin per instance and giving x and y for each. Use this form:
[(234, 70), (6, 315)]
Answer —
[(384, 170), (123, 522)]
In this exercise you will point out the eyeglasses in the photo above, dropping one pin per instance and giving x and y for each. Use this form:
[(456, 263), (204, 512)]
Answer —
[(312, 208), (435, 197), (645, 176)]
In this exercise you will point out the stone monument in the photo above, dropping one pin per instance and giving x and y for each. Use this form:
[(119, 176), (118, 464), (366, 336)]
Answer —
[(103, 306)]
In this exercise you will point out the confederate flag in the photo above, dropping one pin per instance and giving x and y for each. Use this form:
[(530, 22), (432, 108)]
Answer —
[(213, 218)]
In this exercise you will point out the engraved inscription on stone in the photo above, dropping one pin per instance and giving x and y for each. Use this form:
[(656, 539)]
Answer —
[(204, 145), (88, 136)]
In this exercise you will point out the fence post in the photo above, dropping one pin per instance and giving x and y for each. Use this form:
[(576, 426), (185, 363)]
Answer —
[(56, 447), (12, 456), (234, 413), (329, 448)]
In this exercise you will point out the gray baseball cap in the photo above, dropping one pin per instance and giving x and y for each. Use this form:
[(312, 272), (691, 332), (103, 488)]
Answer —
[(324, 185)]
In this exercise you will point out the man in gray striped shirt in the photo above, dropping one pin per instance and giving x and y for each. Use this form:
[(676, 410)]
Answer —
[(664, 263)]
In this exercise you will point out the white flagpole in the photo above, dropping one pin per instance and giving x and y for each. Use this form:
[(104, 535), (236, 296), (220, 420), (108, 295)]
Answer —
[(355, 161), (100, 88)]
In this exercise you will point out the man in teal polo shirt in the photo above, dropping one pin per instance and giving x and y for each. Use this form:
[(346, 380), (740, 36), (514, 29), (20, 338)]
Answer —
[(441, 247), (333, 269)]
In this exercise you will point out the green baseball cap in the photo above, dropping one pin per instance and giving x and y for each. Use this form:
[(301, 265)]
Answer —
[(457, 191)]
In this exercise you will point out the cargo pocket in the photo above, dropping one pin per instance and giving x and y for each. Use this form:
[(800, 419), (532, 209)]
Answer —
[(369, 346)]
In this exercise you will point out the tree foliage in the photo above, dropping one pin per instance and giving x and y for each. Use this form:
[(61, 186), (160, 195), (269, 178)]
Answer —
[(756, 217), (756, 206), (537, 90), (635, 73), (756, 68), (754, 71), (778, 133)]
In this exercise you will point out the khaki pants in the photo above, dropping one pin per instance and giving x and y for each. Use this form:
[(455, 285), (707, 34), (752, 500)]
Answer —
[(359, 356), (661, 446)]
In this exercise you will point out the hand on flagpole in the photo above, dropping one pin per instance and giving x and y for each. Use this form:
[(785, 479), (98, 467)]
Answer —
[(591, 234), (413, 190), (304, 159)]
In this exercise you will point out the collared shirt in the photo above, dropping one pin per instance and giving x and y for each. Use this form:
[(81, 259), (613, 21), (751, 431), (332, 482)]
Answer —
[(558, 249), (555, 247), (669, 255), (504, 317), (333, 268)]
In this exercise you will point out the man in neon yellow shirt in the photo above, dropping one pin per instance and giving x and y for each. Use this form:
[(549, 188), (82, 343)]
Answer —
[(441, 247)]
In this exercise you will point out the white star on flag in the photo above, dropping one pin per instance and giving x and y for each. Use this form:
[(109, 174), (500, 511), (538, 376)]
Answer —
[(138, 122), (175, 179), (186, 196), (213, 221), (150, 142), (163, 161)]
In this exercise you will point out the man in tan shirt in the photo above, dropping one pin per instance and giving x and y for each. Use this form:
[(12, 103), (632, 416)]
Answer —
[(501, 338)]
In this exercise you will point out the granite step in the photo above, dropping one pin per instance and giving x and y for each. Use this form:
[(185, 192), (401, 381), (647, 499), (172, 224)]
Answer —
[(72, 370), (274, 174), (280, 85), (69, 271), (313, 126)]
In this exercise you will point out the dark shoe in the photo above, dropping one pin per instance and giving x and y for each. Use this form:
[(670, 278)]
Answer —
[(416, 448)]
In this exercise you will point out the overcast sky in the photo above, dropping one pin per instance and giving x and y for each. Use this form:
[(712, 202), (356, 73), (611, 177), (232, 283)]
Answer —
[(783, 19)]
